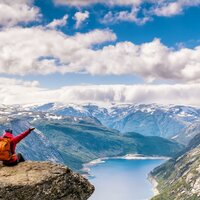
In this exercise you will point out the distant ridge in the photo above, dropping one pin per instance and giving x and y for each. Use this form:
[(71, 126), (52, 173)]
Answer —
[(147, 119)]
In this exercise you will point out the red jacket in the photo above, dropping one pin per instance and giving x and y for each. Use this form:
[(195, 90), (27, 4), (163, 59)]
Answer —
[(13, 143)]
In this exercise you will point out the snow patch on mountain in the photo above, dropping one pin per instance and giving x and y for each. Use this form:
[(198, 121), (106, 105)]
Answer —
[(148, 119)]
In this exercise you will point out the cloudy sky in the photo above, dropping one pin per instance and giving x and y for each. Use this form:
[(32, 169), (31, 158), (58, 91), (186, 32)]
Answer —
[(124, 51)]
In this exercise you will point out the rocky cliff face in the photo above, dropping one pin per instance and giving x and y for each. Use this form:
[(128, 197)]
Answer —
[(188, 133), (42, 181), (179, 178)]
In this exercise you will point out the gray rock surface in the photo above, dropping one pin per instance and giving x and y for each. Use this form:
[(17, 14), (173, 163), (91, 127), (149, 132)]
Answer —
[(42, 181)]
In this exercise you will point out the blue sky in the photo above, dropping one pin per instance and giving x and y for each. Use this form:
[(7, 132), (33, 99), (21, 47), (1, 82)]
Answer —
[(181, 28), (56, 44)]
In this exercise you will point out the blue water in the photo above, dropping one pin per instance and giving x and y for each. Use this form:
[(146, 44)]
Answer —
[(119, 179)]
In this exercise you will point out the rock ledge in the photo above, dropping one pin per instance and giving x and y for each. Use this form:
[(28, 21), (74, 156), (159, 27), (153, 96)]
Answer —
[(42, 181)]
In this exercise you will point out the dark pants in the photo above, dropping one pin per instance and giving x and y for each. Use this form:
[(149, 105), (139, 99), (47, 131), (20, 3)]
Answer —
[(20, 158)]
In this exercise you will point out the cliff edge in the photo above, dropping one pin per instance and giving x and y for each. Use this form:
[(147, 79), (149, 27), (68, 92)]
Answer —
[(42, 181)]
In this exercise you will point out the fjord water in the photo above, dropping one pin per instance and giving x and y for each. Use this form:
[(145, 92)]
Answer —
[(120, 179)]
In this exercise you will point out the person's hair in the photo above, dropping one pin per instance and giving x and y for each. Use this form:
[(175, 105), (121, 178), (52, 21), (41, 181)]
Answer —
[(9, 131)]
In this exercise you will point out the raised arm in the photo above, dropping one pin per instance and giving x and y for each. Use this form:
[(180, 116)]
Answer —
[(21, 136)]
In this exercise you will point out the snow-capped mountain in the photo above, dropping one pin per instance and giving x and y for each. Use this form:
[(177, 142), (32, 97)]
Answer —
[(152, 119), (73, 135)]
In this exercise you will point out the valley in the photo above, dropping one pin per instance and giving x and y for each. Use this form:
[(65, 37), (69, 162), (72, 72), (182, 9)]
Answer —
[(77, 134)]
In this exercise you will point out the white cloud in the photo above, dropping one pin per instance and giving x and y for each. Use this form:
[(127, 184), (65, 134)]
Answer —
[(89, 2), (165, 8), (40, 51), (94, 37), (17, 11), (13, 91), (159, 3), (10, 82), (18, 92), (80, 17), (163, 94), (152, 61), (131, 16), (170, 8), (58, 22)]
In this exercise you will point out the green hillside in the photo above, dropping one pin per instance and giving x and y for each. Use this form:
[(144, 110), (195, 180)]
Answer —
[(83, 141), (179, 178)]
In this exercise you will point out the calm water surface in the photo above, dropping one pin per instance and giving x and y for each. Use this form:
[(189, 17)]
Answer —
[(119, 179)]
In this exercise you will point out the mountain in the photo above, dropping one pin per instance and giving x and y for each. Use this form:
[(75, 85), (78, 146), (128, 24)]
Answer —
[(149, 120), (82, 141), (42, 181), (77, 140), (179, 178), (188, 133)]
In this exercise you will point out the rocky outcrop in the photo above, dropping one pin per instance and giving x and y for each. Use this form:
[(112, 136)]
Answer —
[(42, 181)]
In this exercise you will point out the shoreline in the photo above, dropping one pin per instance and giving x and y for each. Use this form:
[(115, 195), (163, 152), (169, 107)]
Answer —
[(154, 183), (86, 167)]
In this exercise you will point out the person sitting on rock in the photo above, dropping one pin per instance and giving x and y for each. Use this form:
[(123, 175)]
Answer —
[(8, 144)]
